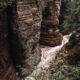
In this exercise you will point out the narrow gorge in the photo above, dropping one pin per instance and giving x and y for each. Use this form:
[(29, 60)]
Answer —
[(39, 40)]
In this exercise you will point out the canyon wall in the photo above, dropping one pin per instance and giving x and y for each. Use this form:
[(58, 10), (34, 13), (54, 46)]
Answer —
[(25, 23), (20, 25)]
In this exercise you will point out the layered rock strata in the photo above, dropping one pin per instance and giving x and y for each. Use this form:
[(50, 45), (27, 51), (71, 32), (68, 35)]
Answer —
[(50, 34)]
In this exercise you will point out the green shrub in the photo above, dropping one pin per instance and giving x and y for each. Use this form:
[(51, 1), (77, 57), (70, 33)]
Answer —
[(73, 14), (5, 3)]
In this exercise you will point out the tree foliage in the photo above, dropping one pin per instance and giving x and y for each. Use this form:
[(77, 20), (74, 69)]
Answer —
[(5, 3), (73, 14)]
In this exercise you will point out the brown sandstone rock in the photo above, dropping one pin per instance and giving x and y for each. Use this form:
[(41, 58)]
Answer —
[(50, 37), (50, 34), (53, 22)]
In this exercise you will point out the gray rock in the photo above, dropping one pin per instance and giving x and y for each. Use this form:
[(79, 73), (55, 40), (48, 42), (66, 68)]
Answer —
[(25, 33)]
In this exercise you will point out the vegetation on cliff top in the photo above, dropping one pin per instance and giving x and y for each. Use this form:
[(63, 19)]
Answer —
[(5, 3), (73, 14)]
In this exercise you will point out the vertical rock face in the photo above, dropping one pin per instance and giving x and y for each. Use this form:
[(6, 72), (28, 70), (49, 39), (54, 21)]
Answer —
[(6, 66), (25, 33), (50, 34)]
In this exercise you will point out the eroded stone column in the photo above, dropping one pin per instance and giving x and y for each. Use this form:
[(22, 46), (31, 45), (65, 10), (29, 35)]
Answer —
[(50, 34)]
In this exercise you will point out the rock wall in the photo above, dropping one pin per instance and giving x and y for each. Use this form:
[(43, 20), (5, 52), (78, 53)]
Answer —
[(7, 71), (24, 32), (50, 34)]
